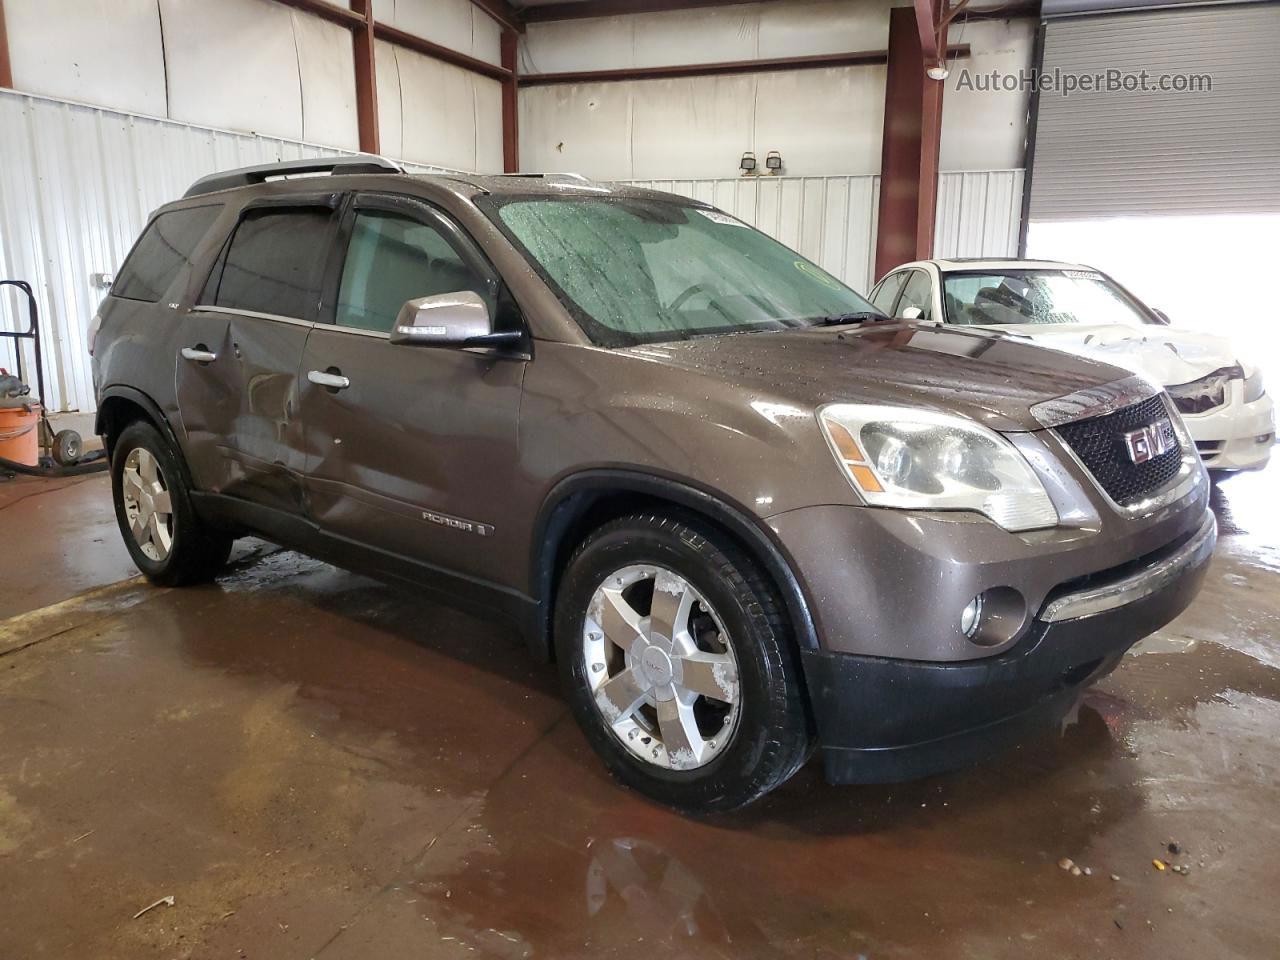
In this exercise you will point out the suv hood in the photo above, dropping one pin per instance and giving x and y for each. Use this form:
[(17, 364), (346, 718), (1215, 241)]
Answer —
[(1162, 354), (988, 377)]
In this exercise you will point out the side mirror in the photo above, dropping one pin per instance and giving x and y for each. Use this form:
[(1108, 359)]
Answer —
[(459, 319), (1161, 316), (912, 313)]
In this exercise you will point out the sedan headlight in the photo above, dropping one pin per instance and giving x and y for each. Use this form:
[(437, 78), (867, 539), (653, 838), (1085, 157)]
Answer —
[(924, 460), (1207, 393), (1253, 387)]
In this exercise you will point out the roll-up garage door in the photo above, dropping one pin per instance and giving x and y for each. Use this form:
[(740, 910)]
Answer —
[(1199, 146)]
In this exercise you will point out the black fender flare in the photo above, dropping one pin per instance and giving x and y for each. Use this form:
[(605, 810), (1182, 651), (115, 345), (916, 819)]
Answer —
[(154, 414), (570, 496)]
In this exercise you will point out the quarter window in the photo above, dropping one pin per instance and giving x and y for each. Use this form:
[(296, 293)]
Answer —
[(393, 259), (887, 292), (164, 248), (275, 262)]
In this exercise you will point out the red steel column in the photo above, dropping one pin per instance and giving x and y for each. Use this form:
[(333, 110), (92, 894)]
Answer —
[(909, 157), (366, 78), (6, 69), (510, 105)]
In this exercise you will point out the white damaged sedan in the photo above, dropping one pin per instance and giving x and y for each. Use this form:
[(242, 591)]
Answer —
[(1082, 310)]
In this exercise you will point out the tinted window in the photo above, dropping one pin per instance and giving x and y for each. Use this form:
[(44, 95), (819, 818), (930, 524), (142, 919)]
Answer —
[(918, 293), (392, 259), (275, 262), (164, 248), (887, 292)]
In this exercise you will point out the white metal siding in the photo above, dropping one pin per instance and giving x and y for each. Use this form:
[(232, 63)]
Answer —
[(77, 184), (832, 220), (1116, 154)]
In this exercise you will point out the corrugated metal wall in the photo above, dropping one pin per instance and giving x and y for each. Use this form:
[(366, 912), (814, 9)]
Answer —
[(77, 183), (832, 220)]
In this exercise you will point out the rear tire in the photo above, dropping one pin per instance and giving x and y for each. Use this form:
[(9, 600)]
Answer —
[(169, 543), (719, 719)]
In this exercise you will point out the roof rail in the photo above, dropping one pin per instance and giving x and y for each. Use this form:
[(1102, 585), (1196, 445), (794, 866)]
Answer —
[(575, 177), (247, 176)]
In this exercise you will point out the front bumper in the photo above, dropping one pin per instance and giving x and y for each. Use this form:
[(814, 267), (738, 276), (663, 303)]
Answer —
[(885, 720), (1236, 436)]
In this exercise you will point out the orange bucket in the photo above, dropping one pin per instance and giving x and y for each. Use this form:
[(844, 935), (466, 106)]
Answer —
[(20, 434)]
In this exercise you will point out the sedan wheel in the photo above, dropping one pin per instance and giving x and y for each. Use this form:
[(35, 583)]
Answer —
[(662, 671), (147, 504)]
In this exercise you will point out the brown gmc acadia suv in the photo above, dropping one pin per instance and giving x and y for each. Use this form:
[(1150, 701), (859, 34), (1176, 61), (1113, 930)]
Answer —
[(745, 513)]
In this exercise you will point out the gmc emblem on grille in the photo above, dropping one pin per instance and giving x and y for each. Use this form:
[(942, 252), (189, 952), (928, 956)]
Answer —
[(1150, 441)]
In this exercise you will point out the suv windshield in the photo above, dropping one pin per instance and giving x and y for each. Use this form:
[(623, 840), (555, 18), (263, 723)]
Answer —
[(636, 271), (1037, 296)]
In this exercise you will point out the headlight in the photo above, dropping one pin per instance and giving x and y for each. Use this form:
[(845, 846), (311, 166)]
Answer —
[(1204, 394), (922, 460), (1253, 388)]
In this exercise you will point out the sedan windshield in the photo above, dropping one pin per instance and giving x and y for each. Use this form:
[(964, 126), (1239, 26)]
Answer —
[(636, 271), (1037, 296)]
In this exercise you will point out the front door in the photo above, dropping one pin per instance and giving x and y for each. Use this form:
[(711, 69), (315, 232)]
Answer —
[(410, 450), (248, 334)]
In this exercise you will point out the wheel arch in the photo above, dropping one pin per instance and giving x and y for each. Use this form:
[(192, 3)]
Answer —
[(119, 406), (583, 502)]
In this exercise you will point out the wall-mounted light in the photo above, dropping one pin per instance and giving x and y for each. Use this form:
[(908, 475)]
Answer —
[(748, 164), (938, 72), (773, 162)]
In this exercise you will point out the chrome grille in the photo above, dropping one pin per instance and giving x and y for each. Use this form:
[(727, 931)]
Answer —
[(1100, 445)]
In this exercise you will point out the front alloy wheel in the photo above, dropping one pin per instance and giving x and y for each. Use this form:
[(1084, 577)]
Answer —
[(676, 654), (663, 674)]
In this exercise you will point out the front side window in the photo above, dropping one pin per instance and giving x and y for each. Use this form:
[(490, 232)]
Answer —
[(918, 293), (638, 271), (164, 248), (275, 262), (392, 259), (1037, 296)]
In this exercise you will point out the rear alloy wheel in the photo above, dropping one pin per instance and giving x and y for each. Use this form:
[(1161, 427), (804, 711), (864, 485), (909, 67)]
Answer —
[(676, 655), (165, 537), (663, 674), (147, 504)]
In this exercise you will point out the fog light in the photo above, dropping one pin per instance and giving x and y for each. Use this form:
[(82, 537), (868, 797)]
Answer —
[(971, 617), (994, 617)]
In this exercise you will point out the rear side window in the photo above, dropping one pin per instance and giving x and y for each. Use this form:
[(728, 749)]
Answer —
[(275, 262), (164, 248)]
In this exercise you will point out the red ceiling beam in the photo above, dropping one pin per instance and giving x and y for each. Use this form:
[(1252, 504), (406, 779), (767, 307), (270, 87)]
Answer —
[(612, 8), (431, 49), (503, 12), (327, 11), (861, 58), (6, 68)]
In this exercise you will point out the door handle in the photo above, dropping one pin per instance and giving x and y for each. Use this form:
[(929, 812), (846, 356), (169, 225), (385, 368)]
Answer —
[(328, 378), (198, 354)]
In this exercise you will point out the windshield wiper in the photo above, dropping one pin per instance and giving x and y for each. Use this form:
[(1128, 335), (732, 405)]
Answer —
[(861, 316)]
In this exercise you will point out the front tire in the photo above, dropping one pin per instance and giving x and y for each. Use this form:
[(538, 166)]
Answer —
[(168, 542), (677, 659)]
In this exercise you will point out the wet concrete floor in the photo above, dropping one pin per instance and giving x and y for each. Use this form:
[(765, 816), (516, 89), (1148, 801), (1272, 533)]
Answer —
[(315, 765)]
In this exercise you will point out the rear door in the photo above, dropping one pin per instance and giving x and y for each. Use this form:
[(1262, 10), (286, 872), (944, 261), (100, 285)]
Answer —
[(410, 449), (248, 333)]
